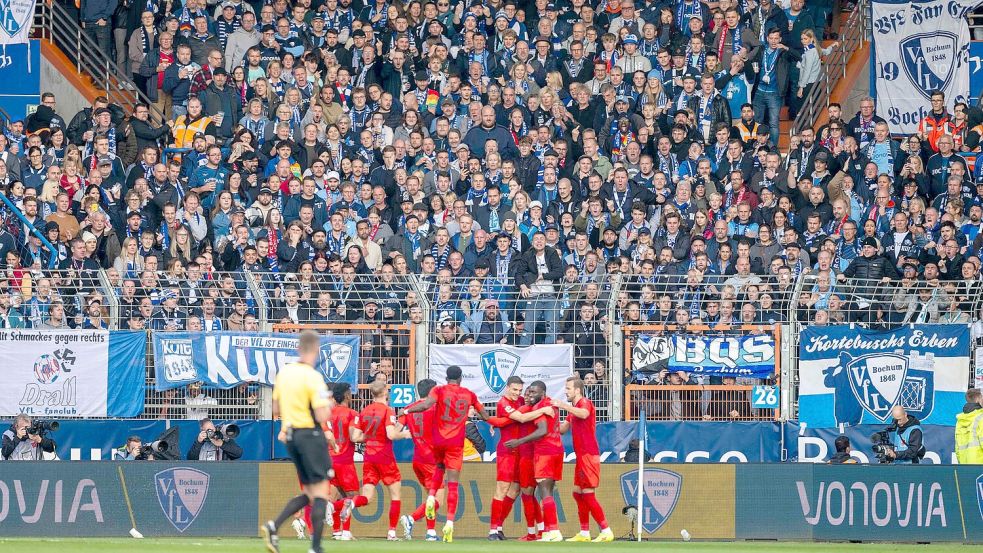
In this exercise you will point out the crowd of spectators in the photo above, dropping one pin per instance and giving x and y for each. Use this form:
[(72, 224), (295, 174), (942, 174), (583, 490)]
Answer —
[(513, 157)]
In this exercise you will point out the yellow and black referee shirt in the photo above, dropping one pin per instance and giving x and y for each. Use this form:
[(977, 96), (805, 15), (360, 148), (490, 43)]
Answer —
[(299, 390)]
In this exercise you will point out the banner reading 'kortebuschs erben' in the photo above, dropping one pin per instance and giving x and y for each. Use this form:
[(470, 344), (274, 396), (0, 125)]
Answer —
[(854, 376), (227, 359), (72, 373)]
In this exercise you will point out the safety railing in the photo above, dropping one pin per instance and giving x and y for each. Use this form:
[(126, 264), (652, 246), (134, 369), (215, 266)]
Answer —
[(704, 298), (55, 298), (491, 310), (660, 357), (53, 23), (853, 34), (694, 402)]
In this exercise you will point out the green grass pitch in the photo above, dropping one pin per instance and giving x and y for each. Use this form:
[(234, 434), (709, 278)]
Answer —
[(291, 545)]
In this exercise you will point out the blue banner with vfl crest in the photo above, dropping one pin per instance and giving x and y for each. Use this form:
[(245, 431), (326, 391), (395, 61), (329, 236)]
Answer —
[(850, 376), (227, 359)]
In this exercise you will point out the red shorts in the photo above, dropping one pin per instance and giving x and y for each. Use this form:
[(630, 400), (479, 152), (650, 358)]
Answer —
[(452, 457), (587, 473), (424, 474), (373, 473), (548, 466), (345, 477), (507, 468), (527, 478)]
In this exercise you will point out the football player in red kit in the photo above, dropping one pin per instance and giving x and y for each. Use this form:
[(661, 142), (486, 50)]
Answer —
[(343, 432), (453, 403), (547, 457), (420, 426), (380, 427), (582, 424), (516, 416)]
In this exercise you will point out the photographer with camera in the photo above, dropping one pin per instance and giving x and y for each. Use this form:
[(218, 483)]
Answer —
[(215, 444), (900, 443), (27, 440), (135, 450)]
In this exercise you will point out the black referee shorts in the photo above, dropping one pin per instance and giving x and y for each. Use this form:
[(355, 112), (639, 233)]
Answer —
[(308, 448)]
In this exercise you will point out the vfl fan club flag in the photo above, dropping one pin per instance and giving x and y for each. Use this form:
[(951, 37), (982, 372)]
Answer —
[(74, 373), (227, 359), (486, 368), (850, 376), (919, 46)]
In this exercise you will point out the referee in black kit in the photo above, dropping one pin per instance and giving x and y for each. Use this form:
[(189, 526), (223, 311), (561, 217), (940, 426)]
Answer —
[(302, 402)]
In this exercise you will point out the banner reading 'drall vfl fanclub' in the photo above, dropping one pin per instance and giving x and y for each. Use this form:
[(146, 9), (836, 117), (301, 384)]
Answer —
[(486, 368), (850, 376), (227, 359), (919, 46), (75, 373)]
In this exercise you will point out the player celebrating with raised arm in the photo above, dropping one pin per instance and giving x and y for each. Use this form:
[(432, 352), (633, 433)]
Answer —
[(379, 426), (420, 426), (453, 403), (582, 424), (303, 405), (548, 456), (512, 410)]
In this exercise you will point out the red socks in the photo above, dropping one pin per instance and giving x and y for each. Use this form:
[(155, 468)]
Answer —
[(307, 517), (507, 503), (421, 511), (452, 491), (530, 509), (595, 510), (360, 501), (583, 511), (496, 513), (394, 513), (438, 480), (549, 514)]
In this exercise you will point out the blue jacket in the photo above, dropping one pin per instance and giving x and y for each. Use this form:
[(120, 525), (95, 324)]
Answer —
[(94, 10)]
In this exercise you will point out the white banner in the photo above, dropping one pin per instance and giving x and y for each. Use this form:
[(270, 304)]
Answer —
[(73, 373), (16, 20), (919, 46), (486, 368)]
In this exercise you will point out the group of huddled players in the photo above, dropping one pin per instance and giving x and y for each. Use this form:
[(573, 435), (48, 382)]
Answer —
[(529, 457)]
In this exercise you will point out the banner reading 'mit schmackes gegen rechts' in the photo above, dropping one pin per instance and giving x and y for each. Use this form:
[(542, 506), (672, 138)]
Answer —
[(72, 373), (919, 46)]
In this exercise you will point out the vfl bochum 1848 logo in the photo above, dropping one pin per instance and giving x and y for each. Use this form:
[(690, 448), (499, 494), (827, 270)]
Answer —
[(979, 493), (875, 383), (929, 60), (15, 15), (181, 492), (660, 493), (497, 366), (335, 359)]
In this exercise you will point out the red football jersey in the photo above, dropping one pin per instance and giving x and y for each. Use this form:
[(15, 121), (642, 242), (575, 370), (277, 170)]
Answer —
[(550, 444), (421, 428), (527, 449), (342, 420), (373, 421), (584, 431), (452, 406), (505, 408)]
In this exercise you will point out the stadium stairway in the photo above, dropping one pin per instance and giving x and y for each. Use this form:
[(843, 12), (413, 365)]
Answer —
[(86, 72)]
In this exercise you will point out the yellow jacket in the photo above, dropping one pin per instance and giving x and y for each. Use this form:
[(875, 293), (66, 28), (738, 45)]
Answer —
[(969, 438)]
